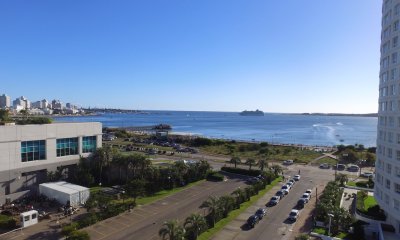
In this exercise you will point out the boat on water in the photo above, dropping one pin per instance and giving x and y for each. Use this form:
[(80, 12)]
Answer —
[(252, 113)]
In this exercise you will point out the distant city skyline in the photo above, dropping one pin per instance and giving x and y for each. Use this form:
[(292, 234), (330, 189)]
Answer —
[(306, 56)]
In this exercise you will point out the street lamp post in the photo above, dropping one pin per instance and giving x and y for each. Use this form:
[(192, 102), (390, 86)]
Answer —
[(330, 215), (123, 197)]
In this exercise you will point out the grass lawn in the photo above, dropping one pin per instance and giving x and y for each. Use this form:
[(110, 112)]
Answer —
[(324, 231), (369, 202), (159, 195), (351, 184), (319, 230), (252, 150), (232, 215), (362, 184), (327, 160)]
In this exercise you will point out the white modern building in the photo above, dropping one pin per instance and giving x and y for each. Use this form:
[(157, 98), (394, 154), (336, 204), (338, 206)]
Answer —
[(5, 101), (387, 187), (28, 152), (21, 102)]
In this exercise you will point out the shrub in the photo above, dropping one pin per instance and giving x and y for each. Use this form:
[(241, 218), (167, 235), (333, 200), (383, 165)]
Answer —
[(215, 176), (68, 229), (78, 235), (241, 171), (7, 222)]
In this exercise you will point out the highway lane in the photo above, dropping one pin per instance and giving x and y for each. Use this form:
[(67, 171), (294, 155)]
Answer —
[(274, 226)]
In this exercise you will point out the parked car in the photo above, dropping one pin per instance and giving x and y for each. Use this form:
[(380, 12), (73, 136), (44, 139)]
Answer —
[(285, 191), (300, 203), (253, 220), (367, 174), (288, 162), (294, 214), (306, 197), (285, 187), (309, 191), (261, 212), (292, 181), (289, 184), (280, 194), (340, 167), (296, 177), (274, 200), (324, 166), (353, 168)]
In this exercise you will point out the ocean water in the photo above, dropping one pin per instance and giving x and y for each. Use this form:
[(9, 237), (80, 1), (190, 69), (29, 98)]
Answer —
[(274, 128)]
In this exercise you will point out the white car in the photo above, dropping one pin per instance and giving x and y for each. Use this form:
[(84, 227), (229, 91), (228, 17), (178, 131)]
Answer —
[(306, 197), (367, 174), (296, 177), (274, 200), (309, 191), (294, 214), (285, 188)]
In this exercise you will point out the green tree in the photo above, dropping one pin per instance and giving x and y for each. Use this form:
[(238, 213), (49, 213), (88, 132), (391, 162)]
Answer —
[(250, 162), (370, 158), (235, 160), (195, 224), (240, 196), (226, 204), (102, 157), (263, 163), (171, 230), (342, 179), (213, 208), (4, 115), (277, 170), (136, 188)]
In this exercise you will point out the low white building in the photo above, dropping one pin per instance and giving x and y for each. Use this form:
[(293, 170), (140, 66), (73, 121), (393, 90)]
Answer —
[(65, 193), (28, 152)]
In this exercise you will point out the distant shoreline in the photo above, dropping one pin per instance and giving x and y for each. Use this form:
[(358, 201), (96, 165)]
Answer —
[(339, 114)]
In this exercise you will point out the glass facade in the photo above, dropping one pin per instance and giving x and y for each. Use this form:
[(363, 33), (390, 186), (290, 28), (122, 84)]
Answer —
[(33, 150), (89, 144), (67, 146)]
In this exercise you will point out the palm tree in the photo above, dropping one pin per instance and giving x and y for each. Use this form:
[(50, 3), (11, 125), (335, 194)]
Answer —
[(263, 163), (197, 224), (277, 169), (213, 207), (171, 231), (226, 204), (240, 196), (250, 162), (342, 178), (235, 160)]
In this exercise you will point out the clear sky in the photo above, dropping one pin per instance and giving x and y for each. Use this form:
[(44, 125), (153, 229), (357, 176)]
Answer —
[(217, 55)]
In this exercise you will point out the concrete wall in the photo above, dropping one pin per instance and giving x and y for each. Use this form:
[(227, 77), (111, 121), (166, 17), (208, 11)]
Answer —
[(17, 177)]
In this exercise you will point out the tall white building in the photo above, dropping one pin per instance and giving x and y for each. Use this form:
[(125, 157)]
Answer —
[(21, 102), (5, 101), (387, 187)]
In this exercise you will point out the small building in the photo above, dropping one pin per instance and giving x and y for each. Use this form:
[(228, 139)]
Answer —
[(29, 218), (65, 193)]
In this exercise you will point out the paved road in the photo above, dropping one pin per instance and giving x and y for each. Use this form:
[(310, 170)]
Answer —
[(144, 222), (274, 226)]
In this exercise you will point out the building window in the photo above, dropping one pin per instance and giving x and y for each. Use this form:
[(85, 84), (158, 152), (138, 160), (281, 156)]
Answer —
[(397, 171), (396, 26), (398, 155), (89, 144), (389, 168), (387, 199), (397, 188), (390, 139), (33, 150), (388, 184), (395, 42), (389, 153), (396, 204), (394, 58), (67, 146)]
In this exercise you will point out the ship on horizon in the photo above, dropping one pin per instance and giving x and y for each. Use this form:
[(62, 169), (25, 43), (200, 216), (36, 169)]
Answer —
[(252, 113)]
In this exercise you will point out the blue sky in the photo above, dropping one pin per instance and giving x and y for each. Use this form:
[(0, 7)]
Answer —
[(217, 55)]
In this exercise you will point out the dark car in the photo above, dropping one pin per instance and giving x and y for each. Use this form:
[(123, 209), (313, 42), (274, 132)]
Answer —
[(340, 167), (274, 200), (300, 204), (280, 194), (253, 220), (260, 213)]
